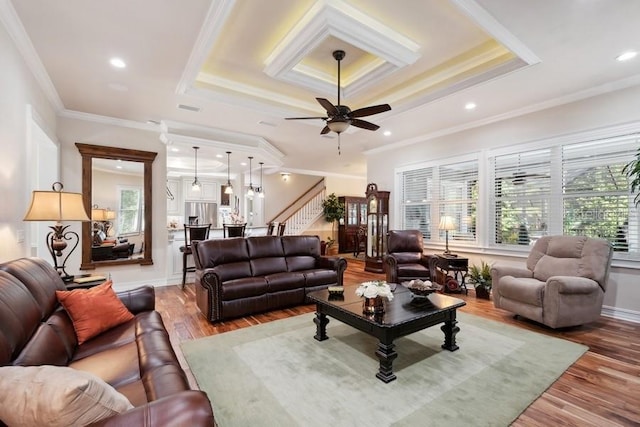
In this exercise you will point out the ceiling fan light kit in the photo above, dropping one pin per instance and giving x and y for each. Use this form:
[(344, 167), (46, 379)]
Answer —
[(340, 117)]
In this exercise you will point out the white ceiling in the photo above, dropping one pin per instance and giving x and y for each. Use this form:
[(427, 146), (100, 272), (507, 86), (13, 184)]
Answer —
[(248, 64)]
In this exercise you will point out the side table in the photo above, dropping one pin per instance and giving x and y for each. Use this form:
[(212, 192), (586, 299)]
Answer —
[(71, 285), (457, 266)]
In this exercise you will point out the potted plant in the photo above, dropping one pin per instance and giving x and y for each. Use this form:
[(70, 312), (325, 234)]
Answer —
[(480, 277), (632, 171), (333, 210)]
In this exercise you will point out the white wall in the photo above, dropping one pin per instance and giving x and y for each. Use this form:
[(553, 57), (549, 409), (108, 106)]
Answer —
[(623, 295), (18, 89), (71, 131)]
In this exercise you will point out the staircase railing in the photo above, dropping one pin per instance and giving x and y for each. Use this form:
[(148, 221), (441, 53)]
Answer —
[(304, 211)]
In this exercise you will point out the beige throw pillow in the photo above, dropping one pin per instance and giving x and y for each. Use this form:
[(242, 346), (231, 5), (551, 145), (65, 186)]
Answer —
[(56, 396)]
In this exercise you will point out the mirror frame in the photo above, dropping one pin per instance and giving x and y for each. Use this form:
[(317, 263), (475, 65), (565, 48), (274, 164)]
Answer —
[(90, 152)]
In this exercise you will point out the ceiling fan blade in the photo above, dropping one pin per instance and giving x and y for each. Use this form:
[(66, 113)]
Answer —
[(369, 111), (331, 109), (325, 130), (364, 124), (305, 118)]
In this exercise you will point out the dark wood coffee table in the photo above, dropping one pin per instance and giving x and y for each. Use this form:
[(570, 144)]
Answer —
[(402, 316)]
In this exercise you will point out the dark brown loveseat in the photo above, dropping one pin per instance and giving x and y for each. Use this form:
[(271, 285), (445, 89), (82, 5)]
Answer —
[(135, 358), (240, 276)]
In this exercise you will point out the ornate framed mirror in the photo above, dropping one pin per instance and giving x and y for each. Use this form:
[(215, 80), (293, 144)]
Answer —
[(116, 189)]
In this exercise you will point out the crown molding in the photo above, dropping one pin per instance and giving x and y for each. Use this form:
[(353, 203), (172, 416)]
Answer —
[(113, 121), (473, 10), (16, 31), (211, 27), (340, 20), (577, 96)]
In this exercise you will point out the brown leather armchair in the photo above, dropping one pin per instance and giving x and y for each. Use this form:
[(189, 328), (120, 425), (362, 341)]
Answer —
[(405, 260)]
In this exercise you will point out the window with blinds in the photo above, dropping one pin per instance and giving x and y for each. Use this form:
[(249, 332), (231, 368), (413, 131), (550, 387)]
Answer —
[(416, 201), (457, 198), (521, 196), (431, 192), (596, 199)]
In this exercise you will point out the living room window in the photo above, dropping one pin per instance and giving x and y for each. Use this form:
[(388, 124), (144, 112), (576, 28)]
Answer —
[(430, 192), (596, 198), (521, 196), (130, 217)]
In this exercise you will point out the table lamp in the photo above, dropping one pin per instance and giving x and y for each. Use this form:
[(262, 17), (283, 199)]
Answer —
[(447, 223), (58, 206)]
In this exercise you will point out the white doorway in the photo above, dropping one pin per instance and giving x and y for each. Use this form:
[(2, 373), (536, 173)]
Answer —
[(45, 153)]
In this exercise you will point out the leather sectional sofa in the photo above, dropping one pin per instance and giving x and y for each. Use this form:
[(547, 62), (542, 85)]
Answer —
[(240, 276), (135, 358)]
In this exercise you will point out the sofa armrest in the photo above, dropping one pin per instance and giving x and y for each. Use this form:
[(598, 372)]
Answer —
[(572, 285), (139, 299), (336, 263), (187, 408), (390, 267)]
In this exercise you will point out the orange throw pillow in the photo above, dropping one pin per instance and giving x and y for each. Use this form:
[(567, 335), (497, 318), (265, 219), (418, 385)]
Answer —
[(94, 310)]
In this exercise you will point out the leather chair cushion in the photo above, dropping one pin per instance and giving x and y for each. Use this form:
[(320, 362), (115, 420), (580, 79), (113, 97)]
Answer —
[(243, 288), (412, 271), (83, 400), (94, 310), (284, 281), (526, 290), (268, 265), (318, 277), (407, 257)]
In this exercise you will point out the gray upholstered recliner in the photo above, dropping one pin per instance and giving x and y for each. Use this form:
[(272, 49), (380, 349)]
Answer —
[(562, 285)]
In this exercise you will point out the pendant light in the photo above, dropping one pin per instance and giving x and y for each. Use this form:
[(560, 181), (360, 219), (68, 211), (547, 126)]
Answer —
[(195, 186), (250, 190), (229, 188), (261, 188)]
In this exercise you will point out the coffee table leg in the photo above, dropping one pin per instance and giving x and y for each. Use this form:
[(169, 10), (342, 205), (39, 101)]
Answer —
[(450, 330), (386, 354), (321, 322)]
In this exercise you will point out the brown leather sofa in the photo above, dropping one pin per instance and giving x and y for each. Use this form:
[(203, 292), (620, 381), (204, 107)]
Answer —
[(136, 357), (240, 276)]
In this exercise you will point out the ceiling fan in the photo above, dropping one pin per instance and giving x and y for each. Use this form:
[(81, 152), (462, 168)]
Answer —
[(340, 117)]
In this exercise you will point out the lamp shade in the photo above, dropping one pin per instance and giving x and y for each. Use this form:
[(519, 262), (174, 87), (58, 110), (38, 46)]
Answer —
[(109, 214), (56, 206), (98, 214), (447, 223)]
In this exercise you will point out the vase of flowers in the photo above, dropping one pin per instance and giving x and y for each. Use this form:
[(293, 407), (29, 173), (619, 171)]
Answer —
[(373, 293)]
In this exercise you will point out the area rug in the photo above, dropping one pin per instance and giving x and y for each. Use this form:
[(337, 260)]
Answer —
[(277, 374)]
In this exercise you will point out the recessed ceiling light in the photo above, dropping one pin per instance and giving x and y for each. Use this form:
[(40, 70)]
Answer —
[(219, 156), (175, 150), (470, 106), (387, 133), (117, 62), (627, 55), (243, 164)]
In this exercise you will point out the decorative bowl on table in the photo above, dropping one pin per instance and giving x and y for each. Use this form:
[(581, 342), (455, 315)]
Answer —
[(420, 288)]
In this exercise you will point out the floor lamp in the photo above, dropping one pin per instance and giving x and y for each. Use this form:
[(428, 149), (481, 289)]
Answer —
[(447, 224), (58, 206)]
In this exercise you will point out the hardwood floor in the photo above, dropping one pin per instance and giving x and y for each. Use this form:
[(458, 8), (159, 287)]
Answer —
[(601, 389)]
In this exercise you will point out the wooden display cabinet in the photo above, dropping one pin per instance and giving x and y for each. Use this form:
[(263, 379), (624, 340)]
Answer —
[(355, 215), (377, 228)]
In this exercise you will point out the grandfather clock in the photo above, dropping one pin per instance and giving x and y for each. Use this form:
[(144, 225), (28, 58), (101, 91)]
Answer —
[(377, 228)]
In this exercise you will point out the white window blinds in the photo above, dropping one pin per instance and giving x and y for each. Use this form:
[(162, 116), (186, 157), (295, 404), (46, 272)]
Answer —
[(458, 198), (521, 196), (417, 190), (596, 198)]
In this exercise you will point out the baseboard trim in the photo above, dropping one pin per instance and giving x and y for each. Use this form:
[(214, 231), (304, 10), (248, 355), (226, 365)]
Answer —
[(621, 314)]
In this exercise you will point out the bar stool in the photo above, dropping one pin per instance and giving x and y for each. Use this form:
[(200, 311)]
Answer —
[(191, 233), (234, 230)]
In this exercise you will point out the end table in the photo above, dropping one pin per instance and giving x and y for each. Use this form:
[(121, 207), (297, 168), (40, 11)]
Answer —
[(457, 266)]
